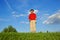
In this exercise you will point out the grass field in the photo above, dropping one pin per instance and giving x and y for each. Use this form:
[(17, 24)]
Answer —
[(30, 36)]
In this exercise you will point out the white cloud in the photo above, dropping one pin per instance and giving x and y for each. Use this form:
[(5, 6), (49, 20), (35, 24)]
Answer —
[(14, 12), (43, 16), (8, 4), (36, 11), (24, 22), (18, 15), (53, 19)]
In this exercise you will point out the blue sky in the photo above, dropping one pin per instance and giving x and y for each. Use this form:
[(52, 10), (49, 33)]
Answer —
[(15, 13)]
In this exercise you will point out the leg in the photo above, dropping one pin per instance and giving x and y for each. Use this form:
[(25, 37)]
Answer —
[(31, 25), (34, 26)]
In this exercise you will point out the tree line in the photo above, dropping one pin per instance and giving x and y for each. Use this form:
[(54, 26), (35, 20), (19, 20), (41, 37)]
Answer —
[(9, 29)]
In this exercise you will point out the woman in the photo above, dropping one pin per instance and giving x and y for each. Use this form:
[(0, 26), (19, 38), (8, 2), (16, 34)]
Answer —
[(32, 20)]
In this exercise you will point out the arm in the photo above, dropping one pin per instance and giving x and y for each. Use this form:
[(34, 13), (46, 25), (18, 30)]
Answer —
[(29, 17), (35, 18)]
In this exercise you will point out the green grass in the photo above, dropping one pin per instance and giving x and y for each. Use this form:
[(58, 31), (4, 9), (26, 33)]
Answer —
[(30, 36)]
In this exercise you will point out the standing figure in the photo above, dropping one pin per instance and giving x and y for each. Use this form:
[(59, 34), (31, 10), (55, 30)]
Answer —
[(32, 20)]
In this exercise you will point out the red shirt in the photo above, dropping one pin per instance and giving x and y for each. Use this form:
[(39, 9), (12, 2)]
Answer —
[(32, 16)]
